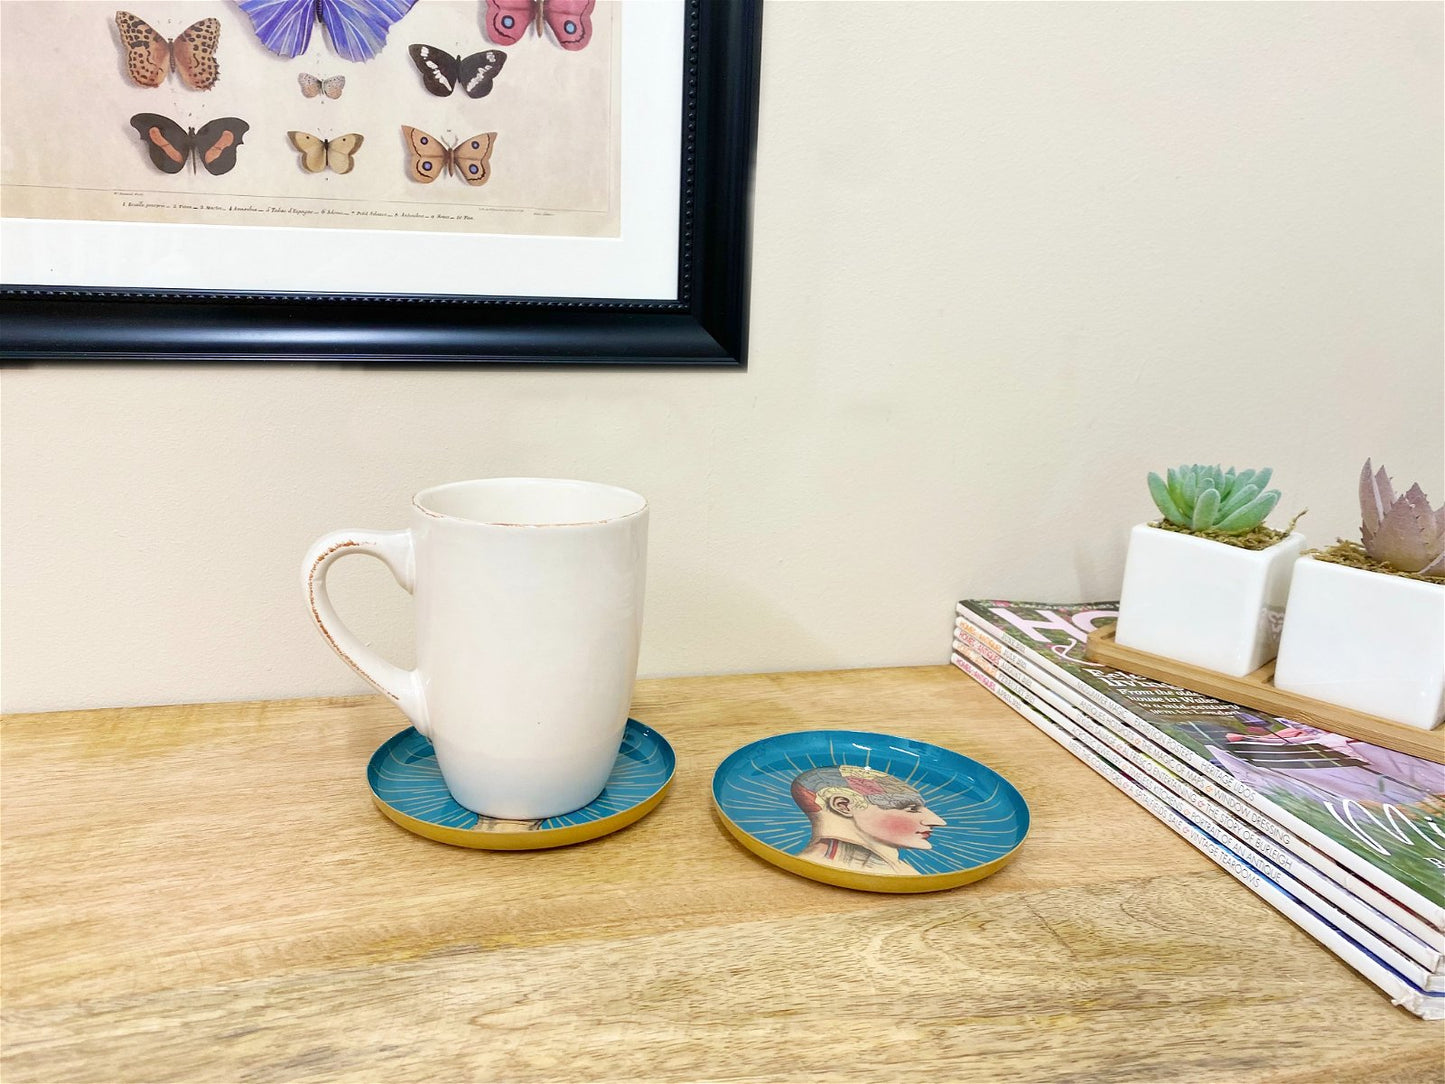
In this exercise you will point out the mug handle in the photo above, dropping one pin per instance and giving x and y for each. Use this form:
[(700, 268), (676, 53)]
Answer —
[(396, 550)]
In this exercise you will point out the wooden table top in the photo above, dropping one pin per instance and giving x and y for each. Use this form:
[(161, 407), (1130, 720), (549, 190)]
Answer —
[(208, 893)]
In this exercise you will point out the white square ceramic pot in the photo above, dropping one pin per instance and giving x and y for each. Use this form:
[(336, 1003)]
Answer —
[(1365, 640), (1203, 602)]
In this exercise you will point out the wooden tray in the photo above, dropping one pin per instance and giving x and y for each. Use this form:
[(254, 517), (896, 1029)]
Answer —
[(1257, 690)]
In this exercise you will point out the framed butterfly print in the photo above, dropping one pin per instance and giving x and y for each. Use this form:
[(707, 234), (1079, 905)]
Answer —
[(380, 182)]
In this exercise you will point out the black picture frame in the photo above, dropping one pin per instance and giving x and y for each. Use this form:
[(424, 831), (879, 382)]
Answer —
[(706, 325)]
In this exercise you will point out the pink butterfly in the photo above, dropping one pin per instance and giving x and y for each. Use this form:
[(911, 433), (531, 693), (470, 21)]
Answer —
[(569, 20)]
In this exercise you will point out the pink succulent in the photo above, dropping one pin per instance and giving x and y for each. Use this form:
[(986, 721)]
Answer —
[(1404, 532)]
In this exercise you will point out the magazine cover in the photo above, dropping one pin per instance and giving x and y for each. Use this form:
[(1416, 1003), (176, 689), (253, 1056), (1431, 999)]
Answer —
[(1317, 875), (1395, 946), (1379, 812), (1400, 991), (1282, 842)]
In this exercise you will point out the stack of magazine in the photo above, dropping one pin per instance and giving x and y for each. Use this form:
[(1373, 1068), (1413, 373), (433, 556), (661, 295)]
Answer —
[(1345, 839)]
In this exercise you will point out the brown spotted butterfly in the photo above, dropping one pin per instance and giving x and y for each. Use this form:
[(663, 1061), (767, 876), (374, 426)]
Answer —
[(149, 57)]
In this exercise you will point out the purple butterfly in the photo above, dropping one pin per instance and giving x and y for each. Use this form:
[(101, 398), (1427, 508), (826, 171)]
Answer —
[(357, 27)]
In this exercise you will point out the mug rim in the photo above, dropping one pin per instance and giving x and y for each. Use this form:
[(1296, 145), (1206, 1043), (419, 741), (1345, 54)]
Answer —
[(418, 499)]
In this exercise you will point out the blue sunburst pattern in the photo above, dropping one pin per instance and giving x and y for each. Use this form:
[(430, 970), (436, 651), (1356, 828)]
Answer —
[(404, 774), (987, 818)]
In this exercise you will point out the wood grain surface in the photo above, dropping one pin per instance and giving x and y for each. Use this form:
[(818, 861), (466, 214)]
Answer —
[(207, 893)]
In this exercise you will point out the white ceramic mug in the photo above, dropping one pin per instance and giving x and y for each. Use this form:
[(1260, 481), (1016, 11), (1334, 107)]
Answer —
[(528, 621)]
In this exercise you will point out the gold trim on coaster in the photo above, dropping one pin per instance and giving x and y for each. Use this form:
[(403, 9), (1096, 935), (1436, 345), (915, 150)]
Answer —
[(863, 882), (532, 840)]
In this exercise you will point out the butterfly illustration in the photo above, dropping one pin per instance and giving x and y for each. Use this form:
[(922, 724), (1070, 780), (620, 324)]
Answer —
[(317, 153), (441, 72), (430, 158), (170, 146), (312, 85), (569, 20), (149, 57), (357, 28)]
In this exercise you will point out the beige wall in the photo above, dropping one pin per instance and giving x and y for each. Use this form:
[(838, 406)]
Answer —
[(1008, 258)]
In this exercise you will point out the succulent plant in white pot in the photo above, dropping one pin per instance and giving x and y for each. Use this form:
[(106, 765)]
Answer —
[(1365, 628), (1207, 584)]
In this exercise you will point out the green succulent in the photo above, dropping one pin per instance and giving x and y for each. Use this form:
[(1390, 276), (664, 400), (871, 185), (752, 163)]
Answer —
[(1201, 498)]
